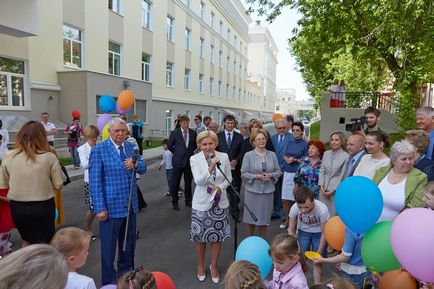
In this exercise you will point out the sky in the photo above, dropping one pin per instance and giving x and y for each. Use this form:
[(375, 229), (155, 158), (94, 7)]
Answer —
[(281, 30)]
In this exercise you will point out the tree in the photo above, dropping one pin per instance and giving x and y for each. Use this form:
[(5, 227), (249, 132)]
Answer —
[(369, 41)]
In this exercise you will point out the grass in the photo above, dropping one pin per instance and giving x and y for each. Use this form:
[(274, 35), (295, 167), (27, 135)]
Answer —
[(66, 161), (314, 130)]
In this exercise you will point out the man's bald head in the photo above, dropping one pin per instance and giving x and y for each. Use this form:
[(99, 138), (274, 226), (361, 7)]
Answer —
[(355, 144)]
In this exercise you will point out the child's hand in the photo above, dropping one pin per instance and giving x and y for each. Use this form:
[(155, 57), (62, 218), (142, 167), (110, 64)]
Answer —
[(319, 260), (429, 200), (159, 168)]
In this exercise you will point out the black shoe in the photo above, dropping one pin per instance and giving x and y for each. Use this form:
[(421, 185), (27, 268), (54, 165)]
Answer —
[(176, 207), (274, 217), (188, 204)]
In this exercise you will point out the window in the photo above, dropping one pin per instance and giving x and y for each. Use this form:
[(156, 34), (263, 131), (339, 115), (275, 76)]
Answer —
[(233, 92), (221, 29), (146, 67), (235, 66), (227, 91), (228, 67), (187, 39), (219, 88), (241, 72), (169, 122), (241, 47), (201, 89), (239, 94), (212, 20), (169, 74), (202, 10), (188, 2), (229, 35), (115, 6), (219, 117), (211, 86), (220, 59), (187, 79), (170, 28), (71, 47), (235, 42), (141, 109), (202, 48), (114, 59), (12, 74), (211, 54), (146, 14)]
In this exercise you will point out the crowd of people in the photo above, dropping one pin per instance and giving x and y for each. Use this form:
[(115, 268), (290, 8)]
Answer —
[(283, 176)]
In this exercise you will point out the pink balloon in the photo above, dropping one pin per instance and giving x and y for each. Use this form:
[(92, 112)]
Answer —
[(122, 112), (412, 238), (102, 120)]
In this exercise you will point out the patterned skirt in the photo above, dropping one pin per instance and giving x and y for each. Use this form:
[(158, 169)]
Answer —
[(88, 197), (210, 226)]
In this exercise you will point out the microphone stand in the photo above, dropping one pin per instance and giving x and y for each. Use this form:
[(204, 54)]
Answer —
[(237, 194), (130, 203)]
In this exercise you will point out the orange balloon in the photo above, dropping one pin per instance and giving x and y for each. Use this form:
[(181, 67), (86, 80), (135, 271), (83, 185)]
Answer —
[(277, 116), (125, 99), (335, 233), (397, 279)]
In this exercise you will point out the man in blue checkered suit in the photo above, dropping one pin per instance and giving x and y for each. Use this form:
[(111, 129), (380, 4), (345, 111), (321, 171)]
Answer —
[(110, 170)]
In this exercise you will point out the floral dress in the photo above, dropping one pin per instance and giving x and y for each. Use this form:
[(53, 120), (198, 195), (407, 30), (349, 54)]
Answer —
[(307, 175)]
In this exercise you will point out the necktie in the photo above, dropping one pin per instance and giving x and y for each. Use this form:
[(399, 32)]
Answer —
[(122, 153), (349, 167), (279, 143), (186, 137), (229, 140)]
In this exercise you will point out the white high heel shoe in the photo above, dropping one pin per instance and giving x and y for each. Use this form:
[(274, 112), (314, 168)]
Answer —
[(215, 280)]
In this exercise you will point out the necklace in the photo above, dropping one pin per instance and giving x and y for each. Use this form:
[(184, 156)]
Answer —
[(395, 178)]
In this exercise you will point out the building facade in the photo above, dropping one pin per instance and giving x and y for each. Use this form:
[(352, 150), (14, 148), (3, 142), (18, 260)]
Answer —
[(177, 56)]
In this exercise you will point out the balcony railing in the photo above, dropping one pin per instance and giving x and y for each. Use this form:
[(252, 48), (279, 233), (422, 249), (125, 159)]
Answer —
[(381, 100)]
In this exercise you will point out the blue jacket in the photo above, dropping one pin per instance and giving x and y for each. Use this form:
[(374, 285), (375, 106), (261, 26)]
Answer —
[(280, 151), (109, 180)]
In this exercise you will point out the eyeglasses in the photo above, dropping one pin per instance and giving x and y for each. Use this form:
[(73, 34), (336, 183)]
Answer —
[(131, 276)]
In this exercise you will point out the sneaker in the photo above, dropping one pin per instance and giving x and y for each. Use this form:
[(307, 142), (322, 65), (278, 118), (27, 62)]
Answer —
[(167, 194), (180, 193), (283, 226)]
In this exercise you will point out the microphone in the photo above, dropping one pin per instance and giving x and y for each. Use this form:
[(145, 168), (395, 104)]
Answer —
[(211, 156), (135, 155)]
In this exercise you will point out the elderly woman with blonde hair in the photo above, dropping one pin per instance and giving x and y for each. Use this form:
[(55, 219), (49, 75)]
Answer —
[(401, 185), (420, 140), (209, 214)]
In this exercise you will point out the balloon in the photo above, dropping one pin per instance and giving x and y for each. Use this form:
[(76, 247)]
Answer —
[(359, 203), (122, 112), (412, 238), (163, 281), (377, 251), (56, 214), (125, 99), (255, 250), (276, 116), (107, 103), (397, 279), (105, 132), (335, 233), (75, 113), (102, 120), (110, 286)]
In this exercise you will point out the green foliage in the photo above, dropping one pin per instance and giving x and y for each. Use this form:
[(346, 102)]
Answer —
[(66, 161), (367, 43), (314, 130)]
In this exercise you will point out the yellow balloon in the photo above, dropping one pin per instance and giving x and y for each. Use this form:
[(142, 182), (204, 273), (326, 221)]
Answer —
[(105, 132)]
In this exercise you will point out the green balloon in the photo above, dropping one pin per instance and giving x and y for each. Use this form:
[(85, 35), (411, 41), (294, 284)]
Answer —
[(377, 251)]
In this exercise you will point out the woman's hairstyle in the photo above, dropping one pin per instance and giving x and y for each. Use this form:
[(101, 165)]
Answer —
[(137, 279), (336, 283), (380, 137), (299, 124), (91, 131), (319, 145), (32, 140), (243, 275), (402, 147), (254, 122), (34, 266), (205, 134), (70, 241), (418, 138), (286, 246), (254, 134), (341, 136)]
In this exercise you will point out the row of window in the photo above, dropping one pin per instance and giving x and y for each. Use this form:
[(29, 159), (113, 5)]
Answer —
[(12, 75)]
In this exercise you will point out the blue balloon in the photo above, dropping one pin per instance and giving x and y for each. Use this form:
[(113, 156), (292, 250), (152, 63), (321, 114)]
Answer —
[(255, 250), (56, 214), (107, 103), (359, 203)]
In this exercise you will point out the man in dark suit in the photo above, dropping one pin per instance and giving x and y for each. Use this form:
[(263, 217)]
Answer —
[(182, 143), (280, 142), (231, 142), (356, 149)]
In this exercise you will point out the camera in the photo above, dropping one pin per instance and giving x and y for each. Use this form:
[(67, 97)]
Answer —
[(357, 124)]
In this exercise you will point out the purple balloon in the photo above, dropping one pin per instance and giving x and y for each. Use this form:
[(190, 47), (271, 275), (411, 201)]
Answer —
[(412, 238), (102, 120), (122, 112), (110, 286)]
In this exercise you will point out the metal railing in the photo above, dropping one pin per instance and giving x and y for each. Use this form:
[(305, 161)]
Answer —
[(381, 100)]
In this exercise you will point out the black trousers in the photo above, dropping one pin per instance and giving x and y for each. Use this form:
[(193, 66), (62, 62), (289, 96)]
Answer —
[(140, 143), (142, 203), (176, 180), (234, 201)]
